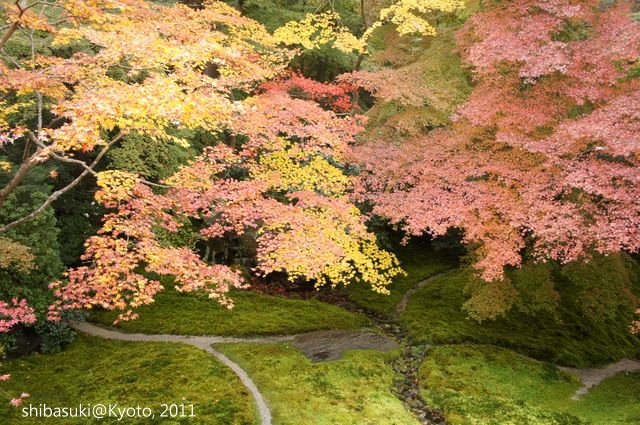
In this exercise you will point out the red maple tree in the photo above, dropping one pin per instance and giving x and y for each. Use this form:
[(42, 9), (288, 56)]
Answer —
[(543, 157)]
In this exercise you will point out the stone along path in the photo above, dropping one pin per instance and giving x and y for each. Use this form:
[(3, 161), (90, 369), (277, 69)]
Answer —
[(317, 346), (324, 346)]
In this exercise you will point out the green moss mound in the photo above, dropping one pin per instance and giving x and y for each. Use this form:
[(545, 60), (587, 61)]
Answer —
[(353, 390), (476, 384), (94, 370), (588, 326), (253, 314)]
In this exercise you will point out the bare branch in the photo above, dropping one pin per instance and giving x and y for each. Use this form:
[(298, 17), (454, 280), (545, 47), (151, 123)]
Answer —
[(91, 171), (11, 59), (39, 95), (8, 33), (22, 172), (55, 195), (13, 26)]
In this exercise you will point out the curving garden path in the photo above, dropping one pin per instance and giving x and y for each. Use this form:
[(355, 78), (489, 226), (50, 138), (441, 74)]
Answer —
[(329, 345), (201, 342), (402, 305), (592, 377), (318, 346)]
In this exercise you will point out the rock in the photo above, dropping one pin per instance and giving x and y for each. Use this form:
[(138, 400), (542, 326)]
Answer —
[(330, 345)]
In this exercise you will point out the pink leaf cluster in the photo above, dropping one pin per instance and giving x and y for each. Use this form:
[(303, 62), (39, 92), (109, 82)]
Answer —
[(17, 402), (116, 277), (336, 97), (543, 156), (15, 313)]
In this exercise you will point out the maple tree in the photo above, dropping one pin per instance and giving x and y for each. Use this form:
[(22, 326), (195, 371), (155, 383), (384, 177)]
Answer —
[(540, 163), (13, 314), (184, 61), (170, 62), (542, 159), (292, 199), (80, 107)]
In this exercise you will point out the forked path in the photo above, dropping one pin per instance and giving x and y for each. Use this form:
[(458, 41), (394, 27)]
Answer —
[(201, 342), (592, 377), (318, 346)]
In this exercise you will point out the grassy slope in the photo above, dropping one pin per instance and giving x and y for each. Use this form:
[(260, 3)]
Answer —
[(94, 370), (490, 385), (419, 265), (434, 314), (352, 390), (254, 314)]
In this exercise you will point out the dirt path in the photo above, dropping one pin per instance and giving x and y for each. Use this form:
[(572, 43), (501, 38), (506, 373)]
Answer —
[(402, 305), (201, 342), (592, 377), (318, 346)]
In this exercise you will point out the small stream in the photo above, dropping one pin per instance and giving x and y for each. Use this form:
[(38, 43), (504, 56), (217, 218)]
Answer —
[(407, 365)]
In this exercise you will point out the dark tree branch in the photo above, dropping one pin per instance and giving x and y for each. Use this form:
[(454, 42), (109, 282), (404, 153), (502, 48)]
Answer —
[(13, 27), (91, 171), (22, 172), (55, 195)]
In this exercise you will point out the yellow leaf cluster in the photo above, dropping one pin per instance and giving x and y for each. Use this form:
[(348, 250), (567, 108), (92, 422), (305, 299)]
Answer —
[(292, 170), (343, 251), (316, 31), (324, 29), (16, 254), (409, 15), (115, 186)]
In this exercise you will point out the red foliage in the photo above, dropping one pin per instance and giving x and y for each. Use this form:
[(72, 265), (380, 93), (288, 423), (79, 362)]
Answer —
[(15, 313), (336, 97)]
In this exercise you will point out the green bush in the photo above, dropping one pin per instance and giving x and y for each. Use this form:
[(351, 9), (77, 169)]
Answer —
[(55, 336)]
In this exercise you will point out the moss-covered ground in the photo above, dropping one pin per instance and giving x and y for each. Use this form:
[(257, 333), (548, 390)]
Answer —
[(435, 315), (419, 264), (355, 389), (94, 370), (253, 314), (476, 384), (473, 384)]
